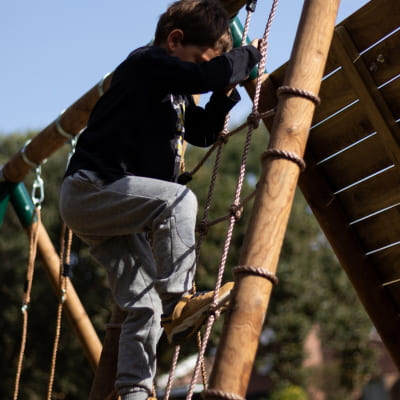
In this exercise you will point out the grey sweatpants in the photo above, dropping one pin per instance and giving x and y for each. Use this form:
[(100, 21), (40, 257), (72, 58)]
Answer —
[(114, 220)]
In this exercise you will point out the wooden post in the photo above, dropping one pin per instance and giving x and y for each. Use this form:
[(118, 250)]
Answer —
[(73, 306), (106, 372), (275, 192)]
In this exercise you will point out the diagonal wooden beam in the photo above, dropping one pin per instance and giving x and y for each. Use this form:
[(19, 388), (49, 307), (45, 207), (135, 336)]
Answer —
[(360, 79), (75, 311)]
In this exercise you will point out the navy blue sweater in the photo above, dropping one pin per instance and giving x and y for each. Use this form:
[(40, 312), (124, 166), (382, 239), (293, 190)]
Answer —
[(132, 129)]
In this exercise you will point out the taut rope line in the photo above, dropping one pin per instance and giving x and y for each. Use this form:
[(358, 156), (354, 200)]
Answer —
[(232, 220)]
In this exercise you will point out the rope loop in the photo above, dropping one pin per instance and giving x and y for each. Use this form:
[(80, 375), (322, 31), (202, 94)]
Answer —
[(288, 155), (221, 394), (32, 164), (299, 92), (100, 85), (60, 129), (253, 270)]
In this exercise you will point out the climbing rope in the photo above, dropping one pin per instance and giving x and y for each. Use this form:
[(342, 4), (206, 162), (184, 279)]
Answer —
[(37, 199), (65, 271), (235, 210), (33, 241)]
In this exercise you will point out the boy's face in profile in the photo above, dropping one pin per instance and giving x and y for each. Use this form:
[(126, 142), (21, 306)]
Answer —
[(189, 52)]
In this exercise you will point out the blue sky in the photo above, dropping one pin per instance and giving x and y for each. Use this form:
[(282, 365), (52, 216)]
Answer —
[(52, 52)]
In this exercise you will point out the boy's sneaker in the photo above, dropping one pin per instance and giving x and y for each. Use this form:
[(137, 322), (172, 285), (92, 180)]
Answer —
[(191, 312)]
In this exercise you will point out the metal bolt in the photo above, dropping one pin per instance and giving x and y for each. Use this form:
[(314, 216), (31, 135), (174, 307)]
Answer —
[(380, 58), (373, 67)]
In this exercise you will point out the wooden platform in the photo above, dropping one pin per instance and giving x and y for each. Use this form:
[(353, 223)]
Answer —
[(352, 180)]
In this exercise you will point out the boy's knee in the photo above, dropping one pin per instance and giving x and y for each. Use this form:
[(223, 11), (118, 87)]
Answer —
[(187, 196)]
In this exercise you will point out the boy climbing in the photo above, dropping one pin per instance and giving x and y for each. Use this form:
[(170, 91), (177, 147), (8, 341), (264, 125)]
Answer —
[(121, 186)]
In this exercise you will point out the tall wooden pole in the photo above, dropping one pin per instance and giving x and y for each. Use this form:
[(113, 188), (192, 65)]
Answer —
[(275, 192)]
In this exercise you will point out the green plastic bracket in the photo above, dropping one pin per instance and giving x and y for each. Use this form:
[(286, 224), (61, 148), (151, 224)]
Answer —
[(17, 194), (4, 199), (237, 33), (23, 205)]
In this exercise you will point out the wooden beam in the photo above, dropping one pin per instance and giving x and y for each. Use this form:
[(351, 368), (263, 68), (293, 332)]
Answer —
[(233, 6), (103, 384), (274, 197), (43, 145)]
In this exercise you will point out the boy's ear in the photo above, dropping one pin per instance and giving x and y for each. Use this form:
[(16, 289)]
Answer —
[(174, 39)]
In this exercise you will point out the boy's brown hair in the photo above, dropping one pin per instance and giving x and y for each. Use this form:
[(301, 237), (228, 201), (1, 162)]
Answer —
[(203, 22)]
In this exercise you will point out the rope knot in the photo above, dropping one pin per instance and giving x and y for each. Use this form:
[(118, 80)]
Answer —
[(213, 310), (185, 178), (236, 210), (223, 138), (253, 120), (202, 227)]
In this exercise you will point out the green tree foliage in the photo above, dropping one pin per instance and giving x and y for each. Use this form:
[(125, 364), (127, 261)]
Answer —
[(312, 289), (290, 393)]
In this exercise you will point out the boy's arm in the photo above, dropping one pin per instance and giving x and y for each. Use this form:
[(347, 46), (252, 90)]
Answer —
[(202, 125), (171, 75)]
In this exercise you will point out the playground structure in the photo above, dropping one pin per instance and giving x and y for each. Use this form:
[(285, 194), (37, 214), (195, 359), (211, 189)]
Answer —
[(350, 180)]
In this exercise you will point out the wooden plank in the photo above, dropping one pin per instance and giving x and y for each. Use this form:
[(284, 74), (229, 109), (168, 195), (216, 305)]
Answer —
[(357, 162), (383, 60), (233, 6), (394, 291), (372, 22), (379, 230), (340, 131), (391, 95), (338, 84), (387, 263), (336, 92), (366, 30), (333, 220), (372, 195)]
